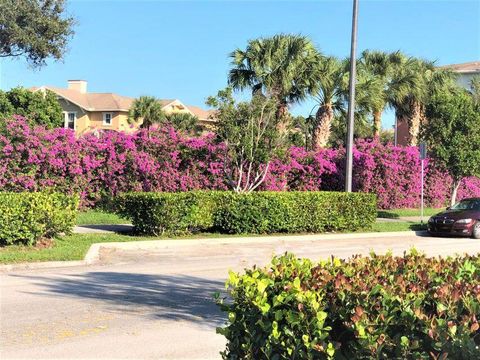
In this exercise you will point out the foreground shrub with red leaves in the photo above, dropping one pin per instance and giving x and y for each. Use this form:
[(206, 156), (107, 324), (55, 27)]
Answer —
[(377, 307)]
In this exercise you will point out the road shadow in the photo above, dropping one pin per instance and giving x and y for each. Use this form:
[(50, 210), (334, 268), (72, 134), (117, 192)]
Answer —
[(173, 297)]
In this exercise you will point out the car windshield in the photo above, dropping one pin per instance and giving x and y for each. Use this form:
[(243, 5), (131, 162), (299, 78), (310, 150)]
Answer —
[(467, 205)]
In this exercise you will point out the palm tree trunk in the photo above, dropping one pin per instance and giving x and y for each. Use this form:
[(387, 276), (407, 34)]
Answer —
[(282, 116), (323, 122), (377, 123), (414, 122)]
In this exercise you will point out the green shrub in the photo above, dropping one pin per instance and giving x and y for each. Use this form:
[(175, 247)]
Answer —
[(27, 217), (290, 212), (377, 307), (173, 213), (257, 212)]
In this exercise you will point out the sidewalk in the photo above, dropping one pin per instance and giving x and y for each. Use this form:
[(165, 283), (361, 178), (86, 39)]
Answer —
[(404, 218), (126, 228), (102, 229)]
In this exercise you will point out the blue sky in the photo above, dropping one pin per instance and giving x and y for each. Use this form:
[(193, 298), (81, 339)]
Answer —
[(179, 49)]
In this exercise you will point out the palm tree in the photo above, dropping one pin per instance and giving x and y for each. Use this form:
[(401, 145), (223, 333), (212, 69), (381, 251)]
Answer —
[(184, 122), (147, 109), (381, 66), (413, 83), (332, 96), (281, 67)]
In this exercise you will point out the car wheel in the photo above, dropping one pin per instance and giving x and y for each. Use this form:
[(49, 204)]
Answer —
[(476, 230)]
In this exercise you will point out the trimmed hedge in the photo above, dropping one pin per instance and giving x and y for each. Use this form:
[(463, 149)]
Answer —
[(256, 212), (379, 307), (28, 217)]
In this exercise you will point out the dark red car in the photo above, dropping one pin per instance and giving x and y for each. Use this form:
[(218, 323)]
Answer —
[(461, 219)]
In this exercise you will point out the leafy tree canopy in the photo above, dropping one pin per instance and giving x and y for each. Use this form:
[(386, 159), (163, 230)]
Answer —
[(251, 137), (148, 110), (184, 122), (34, 29), (282, 67), (40, 108), (475, 89), (453, 134)]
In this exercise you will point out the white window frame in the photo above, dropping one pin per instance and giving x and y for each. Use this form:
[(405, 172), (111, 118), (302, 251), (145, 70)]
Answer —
[(65, 119), (104, 119)]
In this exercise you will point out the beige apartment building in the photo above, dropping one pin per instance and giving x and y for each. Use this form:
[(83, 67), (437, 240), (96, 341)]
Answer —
[(86, 112)]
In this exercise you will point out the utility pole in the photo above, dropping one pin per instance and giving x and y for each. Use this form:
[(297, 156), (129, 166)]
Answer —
[(351, 100)]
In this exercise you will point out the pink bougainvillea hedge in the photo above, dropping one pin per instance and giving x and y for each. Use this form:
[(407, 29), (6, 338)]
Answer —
[(165, 160)]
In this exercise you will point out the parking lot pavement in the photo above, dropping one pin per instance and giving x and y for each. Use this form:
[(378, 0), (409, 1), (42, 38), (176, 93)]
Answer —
[(155, 303)]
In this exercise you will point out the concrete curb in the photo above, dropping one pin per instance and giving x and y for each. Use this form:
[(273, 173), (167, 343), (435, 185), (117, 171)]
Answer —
[(41, 265), (93, 253)]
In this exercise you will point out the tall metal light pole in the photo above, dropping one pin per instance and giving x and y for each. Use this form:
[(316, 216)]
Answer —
[(351, 100)]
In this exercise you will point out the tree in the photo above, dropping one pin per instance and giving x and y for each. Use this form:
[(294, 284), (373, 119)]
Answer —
[(34, 29), (184, 122), (39, 107), (332, 77), (300, 133), (250, 134), (453, 135), (281, 67), (338, 134), (414, 81), (330, 74), (475, 89), (381, 66), (148, 110)]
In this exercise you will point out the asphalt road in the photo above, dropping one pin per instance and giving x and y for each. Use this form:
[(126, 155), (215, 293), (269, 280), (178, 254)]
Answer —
[(154, 304)]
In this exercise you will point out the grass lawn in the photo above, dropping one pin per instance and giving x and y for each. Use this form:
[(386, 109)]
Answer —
[(95, 217), (396, 213), (398, 226), (74, 247)]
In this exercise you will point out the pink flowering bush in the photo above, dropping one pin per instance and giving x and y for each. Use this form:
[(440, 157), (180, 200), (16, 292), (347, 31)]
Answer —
[(166, 160), (393, 173), (161, 160)]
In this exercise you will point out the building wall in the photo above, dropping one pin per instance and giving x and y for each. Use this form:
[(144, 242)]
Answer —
[(90, 121), (402, 132), (83, 117), (119, 121), (464, 80), (176, 107)]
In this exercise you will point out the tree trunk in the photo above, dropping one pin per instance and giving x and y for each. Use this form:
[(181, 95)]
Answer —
[(323, 122), (415, 120), (282, 116), (377, 123), (455, 186)]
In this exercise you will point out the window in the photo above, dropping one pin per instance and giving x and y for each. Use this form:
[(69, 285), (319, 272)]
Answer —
[(70, 120), (468, 204), (107, 119)]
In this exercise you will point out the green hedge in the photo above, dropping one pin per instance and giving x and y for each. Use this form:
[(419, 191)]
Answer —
[(257, 212), (27, 217), (381, 307)]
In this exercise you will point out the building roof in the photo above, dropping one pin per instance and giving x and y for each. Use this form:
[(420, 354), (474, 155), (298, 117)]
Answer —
[(200, 113), (464, 68), (113, 102), (93, 101)]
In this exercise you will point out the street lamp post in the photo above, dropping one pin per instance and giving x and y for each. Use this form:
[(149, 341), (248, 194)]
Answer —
[(351, 100)]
